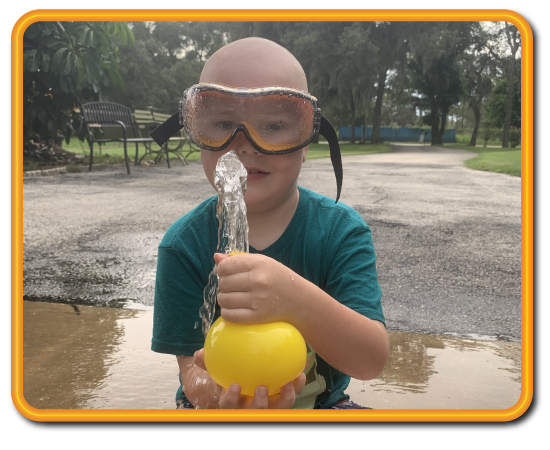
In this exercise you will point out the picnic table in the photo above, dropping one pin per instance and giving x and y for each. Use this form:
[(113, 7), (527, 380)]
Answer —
[(111, 122)]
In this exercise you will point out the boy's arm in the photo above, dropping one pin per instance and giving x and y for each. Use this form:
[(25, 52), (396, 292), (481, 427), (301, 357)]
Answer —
[(345, 339), (256, 289)]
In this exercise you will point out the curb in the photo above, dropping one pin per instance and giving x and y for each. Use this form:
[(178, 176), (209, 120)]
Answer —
[(57, 171), (45, 173)]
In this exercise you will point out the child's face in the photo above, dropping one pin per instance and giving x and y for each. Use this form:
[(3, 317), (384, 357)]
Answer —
[(251, 67), (241, 442)]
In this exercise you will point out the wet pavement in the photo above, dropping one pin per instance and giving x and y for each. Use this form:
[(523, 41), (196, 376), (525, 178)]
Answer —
[(448, 246), (447, 237), (78, 357)]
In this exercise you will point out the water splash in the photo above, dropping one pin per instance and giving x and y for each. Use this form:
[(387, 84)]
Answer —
[(230, 181)]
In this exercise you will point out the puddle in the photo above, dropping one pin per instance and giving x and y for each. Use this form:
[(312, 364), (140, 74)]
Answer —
[(78, 357)]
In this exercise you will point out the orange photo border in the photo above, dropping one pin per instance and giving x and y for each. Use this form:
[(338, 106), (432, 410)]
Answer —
[(406, 415)]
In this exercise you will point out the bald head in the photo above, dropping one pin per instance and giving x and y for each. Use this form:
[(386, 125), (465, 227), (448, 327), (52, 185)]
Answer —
[(254, 62)]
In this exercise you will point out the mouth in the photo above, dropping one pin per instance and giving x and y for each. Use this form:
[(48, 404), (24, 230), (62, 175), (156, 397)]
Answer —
[(255, 171)]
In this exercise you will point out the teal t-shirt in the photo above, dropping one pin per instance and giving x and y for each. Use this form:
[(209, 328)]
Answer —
[(326, 243)]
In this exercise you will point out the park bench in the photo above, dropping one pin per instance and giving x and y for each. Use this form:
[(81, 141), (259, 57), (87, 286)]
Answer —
[(150, 442), (147, 121), (104, 123)]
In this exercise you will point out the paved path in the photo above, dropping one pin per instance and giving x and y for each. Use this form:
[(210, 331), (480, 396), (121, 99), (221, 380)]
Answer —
[(447, 238)]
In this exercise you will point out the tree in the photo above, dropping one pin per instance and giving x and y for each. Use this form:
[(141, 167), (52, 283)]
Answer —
[(496, 106), (390, 38), (479, 70), (435, 73), (65, 64), (513, 39), (155, 72)]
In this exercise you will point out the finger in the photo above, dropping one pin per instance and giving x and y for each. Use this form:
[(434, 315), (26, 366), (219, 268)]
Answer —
[(234, 300), (243, 316), (287, 397), (198, 359), (219, 257), (299, 383), (237, 282), (230, 398), (235, 264), (260, 400)]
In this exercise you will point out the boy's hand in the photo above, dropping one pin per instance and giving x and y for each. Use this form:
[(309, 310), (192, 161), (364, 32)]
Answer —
[(254, 288), (232, 398)]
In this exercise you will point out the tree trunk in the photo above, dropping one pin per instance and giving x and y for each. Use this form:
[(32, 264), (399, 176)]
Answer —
[(352, 106), (434, 118), (375, 138), (366, 104), (477, 116), (443, 125), (505, 438), (375, 436), (509, 96)]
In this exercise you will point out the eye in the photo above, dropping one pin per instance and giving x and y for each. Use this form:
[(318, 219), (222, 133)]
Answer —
[(224, 125), (274, 126)]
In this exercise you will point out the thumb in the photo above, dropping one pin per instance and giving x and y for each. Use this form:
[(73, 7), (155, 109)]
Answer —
[(198, 359), (218, 257)]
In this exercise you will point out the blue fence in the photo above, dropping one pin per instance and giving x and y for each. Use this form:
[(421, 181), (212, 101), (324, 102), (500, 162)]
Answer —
[(396, 134), (447, 436)]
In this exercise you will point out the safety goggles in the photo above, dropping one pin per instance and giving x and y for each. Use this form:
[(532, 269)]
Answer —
[(275, 120)]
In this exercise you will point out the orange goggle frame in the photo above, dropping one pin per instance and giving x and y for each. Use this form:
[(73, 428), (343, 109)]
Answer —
[(200, 124)]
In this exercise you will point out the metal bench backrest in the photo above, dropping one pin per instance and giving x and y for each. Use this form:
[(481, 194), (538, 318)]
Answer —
[(105, 115)]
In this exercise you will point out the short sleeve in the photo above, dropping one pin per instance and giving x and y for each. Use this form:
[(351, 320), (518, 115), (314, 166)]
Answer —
[(177, 326), (351, 277)]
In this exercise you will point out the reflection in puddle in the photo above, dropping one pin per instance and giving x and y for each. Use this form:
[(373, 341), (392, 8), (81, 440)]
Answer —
[(90, 357), (428, 371)]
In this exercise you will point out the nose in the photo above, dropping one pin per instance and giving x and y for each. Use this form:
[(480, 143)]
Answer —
[(240, 441), (242, 145)]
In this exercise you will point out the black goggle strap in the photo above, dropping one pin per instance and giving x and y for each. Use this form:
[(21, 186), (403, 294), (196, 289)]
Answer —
[(167, 129), (327, 131)]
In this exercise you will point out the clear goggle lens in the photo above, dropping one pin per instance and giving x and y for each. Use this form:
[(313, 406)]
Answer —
[(275, 122)]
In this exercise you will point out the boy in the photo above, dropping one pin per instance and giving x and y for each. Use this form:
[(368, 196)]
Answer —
[(311, 261)]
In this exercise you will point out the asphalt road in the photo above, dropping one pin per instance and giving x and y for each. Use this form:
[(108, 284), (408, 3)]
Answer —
[(448, 238)]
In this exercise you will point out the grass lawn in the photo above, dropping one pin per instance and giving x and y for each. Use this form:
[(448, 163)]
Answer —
[(346, 444), (317, 151), (481, 446), (500, 160)]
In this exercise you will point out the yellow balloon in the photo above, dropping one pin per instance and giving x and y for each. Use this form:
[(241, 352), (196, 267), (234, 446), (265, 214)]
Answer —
[(268, 354)]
